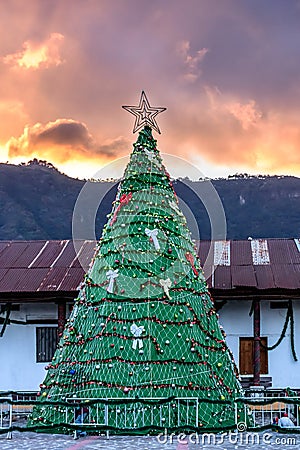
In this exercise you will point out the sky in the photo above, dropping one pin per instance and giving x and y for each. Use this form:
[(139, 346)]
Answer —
[(228, 72)]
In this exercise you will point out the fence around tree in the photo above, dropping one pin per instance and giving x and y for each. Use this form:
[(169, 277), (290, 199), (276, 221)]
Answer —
[(181, 414)]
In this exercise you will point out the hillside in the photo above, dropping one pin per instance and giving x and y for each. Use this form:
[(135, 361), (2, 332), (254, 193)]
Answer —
[(37, 202)]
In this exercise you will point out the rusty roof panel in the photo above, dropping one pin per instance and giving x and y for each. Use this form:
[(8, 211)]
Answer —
[(3, 273), (53, 279), (26, 266), (243, 276), (73, 278), (294, 251), (279, 251), (264, 277), (222, 277), (25, 280), (204, 248), (66, 257), (32, 279), (85, 255), (49, 254), (10, 255), (28, 254), (285, 276), (297, 269), (207, 272), (241, 253), (3, 245), (9, 282)]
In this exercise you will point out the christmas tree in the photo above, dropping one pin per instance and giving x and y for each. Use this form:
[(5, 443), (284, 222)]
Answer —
[(143, 333)]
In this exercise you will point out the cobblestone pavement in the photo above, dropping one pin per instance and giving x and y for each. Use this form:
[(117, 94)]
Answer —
[(245, 441)]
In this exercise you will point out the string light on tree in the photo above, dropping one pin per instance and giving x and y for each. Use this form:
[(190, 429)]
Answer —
[(144, 324)]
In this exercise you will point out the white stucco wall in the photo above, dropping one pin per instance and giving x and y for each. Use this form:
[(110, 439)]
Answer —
[(18, 367), (19, 370), (234, 317)]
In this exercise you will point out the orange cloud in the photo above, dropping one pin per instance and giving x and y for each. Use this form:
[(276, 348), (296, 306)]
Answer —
[(247, 114), (13, 114), (191, 62), (235, 133), (61, 141), (36, 55)]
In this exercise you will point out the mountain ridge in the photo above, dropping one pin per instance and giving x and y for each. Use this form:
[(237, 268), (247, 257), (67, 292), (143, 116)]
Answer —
[(37, 202)]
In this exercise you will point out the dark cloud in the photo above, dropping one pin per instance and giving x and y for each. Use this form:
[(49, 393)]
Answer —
[(228, 72), (63, 139), (63, 132)]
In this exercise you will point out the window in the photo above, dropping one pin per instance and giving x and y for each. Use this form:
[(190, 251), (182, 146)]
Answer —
[(246, 359), (46, 342)]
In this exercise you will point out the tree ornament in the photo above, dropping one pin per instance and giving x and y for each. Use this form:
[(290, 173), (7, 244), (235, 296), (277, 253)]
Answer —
[(153, 235), (144, 114), (104, 340), (124, 200), (111, 275), (137, 333), (166, 284)]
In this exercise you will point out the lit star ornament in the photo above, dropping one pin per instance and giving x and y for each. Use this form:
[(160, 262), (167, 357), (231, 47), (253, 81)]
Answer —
[(144, 114)]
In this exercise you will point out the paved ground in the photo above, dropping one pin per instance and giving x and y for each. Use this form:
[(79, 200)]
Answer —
[(245, 441)]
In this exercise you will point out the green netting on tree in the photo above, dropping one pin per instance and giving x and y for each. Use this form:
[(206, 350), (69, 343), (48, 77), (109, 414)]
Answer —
[(144, 325)]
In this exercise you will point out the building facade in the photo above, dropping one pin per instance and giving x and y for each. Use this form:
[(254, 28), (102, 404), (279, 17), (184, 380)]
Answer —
[(255, 285)]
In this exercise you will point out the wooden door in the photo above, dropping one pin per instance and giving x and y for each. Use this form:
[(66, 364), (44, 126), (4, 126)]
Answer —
[(246, 359)]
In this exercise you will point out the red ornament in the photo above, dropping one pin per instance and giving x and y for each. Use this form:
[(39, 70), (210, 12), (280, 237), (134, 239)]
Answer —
[(124, 200), (189, 257)]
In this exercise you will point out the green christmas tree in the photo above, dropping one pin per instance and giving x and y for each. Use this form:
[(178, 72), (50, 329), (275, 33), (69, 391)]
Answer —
[(143, 332)]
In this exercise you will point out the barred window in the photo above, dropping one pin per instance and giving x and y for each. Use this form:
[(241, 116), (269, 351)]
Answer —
[(46, 342)]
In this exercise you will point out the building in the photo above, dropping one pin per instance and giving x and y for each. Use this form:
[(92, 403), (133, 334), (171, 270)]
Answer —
[(255, 285)]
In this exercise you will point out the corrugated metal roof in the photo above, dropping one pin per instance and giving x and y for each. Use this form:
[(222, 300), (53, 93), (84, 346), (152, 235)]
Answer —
[(294, 251), (85, 254), (53, 279), (67, 256), (279, 251), (260, 252), (42, 266), (241, 254), (3, 245), (45, 266), (264, 277), (243, 276), (20, 279), (10, 255), (221, 278), (49, 254), (285, 276), (222, 253), (203, 251), (30, 252), (73, 278)]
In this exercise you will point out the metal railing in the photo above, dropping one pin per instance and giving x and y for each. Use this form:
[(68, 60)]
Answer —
[(6, 416), (266, 411), (181, 411), (105, 414)]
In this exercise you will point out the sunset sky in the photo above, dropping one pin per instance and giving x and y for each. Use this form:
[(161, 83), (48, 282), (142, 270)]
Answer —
[(228, 72)]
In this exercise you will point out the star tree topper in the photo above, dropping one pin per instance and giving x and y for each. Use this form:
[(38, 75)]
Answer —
[(144, 114)]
